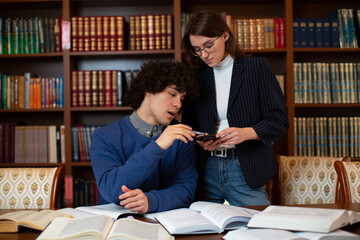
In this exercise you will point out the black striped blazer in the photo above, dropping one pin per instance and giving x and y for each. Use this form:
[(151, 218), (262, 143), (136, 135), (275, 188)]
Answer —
[(255, 100)]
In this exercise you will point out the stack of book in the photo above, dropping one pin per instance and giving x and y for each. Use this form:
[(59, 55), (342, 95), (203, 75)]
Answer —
[(81, 141)]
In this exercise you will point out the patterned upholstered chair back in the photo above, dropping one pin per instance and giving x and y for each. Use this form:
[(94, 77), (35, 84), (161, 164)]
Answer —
[(307, 180), (349, 177), (30, 188)]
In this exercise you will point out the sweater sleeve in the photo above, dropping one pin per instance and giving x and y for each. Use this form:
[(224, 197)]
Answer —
[(111, 170), (273, 110), (180, 189)]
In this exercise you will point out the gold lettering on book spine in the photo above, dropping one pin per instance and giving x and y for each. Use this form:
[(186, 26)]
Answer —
[(94, 88), (106, 29), (114, 88), (137, 32), (132, 32), (163, 31), (157, 32), (99, 34), (74, 37), (87, 86), (151, 32), (74, 100), (112, 33), (107, 88), (81, 88), (93, 34), (120, 32), (101, 87), (86, 34), (144, 32), (81, 34), (169, 31)]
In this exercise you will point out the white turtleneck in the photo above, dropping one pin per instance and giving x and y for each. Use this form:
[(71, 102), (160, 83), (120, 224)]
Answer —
[(222, 74)]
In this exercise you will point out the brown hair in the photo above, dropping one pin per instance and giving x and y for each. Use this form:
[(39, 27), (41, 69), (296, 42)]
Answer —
[(210, 24)]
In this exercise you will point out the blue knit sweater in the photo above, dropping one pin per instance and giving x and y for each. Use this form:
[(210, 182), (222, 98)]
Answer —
[(120, 155)]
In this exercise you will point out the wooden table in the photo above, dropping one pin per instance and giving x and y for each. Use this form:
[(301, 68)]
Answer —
[(29, 234)]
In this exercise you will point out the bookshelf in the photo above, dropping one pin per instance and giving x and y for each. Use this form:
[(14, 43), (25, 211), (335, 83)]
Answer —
[(63, 63)]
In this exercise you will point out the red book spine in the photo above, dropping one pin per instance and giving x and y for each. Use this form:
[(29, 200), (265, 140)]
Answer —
[(106, 33), (114, 88), (80, 33), (74, 34), (74, 89), (132, 32), (277, 32), (107, 88), (120, 23), (92, 36), (99, 33), (80, 89), (282, 33), (87, 88)]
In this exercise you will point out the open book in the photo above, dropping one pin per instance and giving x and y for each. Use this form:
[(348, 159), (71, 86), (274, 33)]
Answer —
[(303, 218), (11, 221), (275, 234), (103, 227), (205, 217)]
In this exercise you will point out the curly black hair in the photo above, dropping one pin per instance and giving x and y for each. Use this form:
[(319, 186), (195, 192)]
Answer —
[(155, 76)]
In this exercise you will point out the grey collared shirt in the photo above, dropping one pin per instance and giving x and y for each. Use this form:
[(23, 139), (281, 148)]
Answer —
[(145, 128)]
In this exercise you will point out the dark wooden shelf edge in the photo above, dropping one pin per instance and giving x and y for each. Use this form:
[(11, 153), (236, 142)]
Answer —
[(326, 49), (81, 164), (33, 110), (89, 109), (124, 52), (31, 164)]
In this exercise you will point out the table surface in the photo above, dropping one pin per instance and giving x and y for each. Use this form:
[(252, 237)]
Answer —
[(29, 234)]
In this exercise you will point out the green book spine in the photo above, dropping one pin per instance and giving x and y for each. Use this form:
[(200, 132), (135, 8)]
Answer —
[(36, 35), (8, 35), (4, 91), (1, 36), (31, 35), (21, 36), (26, 37), (15, 36)]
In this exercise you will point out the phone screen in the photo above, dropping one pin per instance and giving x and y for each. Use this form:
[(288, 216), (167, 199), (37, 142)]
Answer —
[(205, 137)]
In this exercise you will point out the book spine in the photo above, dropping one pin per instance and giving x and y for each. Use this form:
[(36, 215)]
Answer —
[(75, 144), (114, 88), (94, 89), (92, 36), (112, 33), (80, 33), (86, 33), (80, 89), (107, 88), (106, 33), (296, 33), (101, 88), (74, 36), (313, 33), (132, 45), (303, 32), (99, 33), (57, 34), (87, 88), (120, 30), (319, 33), (74, 89)]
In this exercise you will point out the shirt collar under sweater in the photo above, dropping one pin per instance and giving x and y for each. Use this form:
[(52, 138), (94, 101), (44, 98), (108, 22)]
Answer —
[(145, 128)]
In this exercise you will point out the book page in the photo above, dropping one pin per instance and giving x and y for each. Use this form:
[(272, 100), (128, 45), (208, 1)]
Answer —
[(110, 209), (354, 217), (34, 219), (226, 216), (338, 234), (300, 218), (261, 234), (76, 213), (67, 228), (139, 230), (186, 221)]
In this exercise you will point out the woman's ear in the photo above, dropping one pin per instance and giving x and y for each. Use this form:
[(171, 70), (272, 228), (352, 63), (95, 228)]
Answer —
[(226, 35)]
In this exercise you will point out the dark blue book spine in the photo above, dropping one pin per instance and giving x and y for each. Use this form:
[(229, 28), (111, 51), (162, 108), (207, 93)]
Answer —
[(311, 33), (296, 32), (319, 33), (303, 33)]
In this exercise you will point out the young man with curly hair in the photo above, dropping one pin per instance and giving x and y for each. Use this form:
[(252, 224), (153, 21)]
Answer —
[(146, 161)]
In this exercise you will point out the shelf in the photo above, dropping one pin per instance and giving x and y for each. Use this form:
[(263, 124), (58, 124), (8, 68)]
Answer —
[(95, 109), (31, 164), (309, 50), (31, 110), (124, 53)]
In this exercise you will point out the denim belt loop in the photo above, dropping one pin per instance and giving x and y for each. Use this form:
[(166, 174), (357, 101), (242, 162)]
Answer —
[(224, 153)]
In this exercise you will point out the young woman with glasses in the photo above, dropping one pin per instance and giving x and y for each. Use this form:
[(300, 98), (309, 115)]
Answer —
[(242, 103)]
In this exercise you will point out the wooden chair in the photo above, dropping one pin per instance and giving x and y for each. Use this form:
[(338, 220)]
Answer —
[(306, 180), (349, 178), (30, 187)]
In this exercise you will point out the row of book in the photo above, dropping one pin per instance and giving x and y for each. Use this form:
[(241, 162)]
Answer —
[(316, 33), (91, 88), (29, 92), (85, 192), (151, 32), (97, 33), (81, 141), (349, 26), (30, 35), (31, 144), (259, 33), (327, 82), (327, 136)]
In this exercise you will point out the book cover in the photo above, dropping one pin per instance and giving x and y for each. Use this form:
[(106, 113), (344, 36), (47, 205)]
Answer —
[(80, 33), (81, 88), (120, 33), (87, 88), (74, 34), (106, 33), (312, 32), (92, 33), (101, 88), (303, 33), (99, 33), (86, 33), (57, 34), (326, 33), (114, 88), (75, 144), (107, 88), (94, 89), (319, 33), (74, 89)]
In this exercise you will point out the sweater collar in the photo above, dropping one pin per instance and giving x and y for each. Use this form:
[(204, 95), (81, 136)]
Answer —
[(224, 64), (143, 127)]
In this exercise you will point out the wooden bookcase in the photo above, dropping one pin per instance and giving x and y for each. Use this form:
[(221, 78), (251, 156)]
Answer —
[(61, 64)]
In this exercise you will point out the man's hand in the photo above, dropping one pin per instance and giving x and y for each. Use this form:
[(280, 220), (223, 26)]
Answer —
[(135, 200), (173, 132)]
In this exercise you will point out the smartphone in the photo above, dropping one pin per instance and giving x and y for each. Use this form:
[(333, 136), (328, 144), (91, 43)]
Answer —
[(201, 136), (205, 137)]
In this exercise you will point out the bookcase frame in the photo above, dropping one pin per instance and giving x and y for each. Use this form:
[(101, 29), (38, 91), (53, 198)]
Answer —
[(63, 63)]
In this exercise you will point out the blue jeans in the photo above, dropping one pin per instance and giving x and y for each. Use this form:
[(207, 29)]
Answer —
[(224, 180)]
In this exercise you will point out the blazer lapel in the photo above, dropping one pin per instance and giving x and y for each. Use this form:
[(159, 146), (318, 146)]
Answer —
[(236, 81), (209, 82)]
